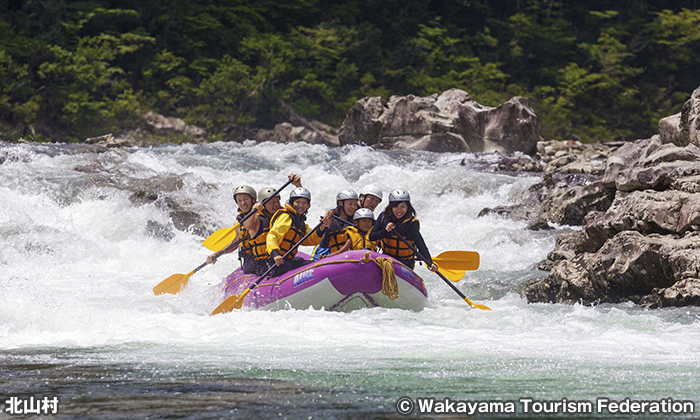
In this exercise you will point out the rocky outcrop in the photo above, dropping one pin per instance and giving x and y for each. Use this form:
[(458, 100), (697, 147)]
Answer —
[(645, 246), (450, 122)]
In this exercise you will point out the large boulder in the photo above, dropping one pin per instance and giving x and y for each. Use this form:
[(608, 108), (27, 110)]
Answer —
[(451, 122), (683, 128)]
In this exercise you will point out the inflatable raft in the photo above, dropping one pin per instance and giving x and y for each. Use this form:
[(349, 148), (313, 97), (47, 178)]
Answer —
[(345, 282)]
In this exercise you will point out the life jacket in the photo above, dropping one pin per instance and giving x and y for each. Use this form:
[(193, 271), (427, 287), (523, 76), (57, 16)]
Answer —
[(245, 248), (259, 243), (395, 247), (336, 234), (360, 241), (295, 232)]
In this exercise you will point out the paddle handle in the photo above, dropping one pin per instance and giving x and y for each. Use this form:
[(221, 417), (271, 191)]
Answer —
[(342, 220)]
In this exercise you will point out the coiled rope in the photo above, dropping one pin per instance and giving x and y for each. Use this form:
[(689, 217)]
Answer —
[(389, 286)]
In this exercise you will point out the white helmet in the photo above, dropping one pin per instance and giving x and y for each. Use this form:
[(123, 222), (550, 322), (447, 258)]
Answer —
[(245, 189), (266, 193), (399, 195), (299, 192), (346, 195), (372, 189), (363, 214)]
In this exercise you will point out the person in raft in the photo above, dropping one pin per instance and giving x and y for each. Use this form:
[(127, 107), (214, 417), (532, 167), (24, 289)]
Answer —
[(287, 227), (370, 197), (335, 237), (400, 215), (358, 235), (259, 224), (246, 198)]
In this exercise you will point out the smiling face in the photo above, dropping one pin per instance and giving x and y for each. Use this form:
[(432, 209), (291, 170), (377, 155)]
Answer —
[(245, 202), (301, 205), (273, 204), (400, 210), (349, 207)]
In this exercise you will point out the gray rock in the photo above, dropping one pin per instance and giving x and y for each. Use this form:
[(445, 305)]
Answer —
[(451, 122)]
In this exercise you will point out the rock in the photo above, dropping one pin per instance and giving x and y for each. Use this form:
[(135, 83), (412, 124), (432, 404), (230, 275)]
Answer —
[(690, 120), (109, 141), (569, 206), (451, 122), (287, 133), (165, 124), (630, 266), (683, 128)]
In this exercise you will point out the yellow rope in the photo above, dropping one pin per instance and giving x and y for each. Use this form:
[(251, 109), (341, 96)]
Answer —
[(389, 286)]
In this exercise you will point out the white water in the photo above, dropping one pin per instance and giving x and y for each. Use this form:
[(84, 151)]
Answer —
[(77, 266)]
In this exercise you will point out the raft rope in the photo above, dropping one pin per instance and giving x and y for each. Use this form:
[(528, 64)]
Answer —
[(390, 287)]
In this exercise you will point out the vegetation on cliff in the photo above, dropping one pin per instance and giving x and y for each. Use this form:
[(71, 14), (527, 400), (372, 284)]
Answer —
[(596, 70)]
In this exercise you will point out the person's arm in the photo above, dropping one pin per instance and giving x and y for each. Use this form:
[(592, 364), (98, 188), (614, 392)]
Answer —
[(253, 223), (232, 246), (378, 230), (317, 236), (413, 232), (277, 231), (296, 180), (346, 247)]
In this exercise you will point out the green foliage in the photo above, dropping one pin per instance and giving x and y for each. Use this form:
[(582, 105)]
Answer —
[(594, 71)]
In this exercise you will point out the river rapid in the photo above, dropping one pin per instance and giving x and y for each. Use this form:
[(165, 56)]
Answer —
[(79, 256)]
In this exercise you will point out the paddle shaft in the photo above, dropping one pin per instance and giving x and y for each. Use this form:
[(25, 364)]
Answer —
[(296, 245), (464, 298), (252, 212)]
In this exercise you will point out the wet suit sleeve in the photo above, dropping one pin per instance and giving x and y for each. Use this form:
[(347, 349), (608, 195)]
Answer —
[(379, 229), (413, 232), (276, 234)]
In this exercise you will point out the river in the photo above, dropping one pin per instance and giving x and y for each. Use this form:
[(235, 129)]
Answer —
[(79, 322)]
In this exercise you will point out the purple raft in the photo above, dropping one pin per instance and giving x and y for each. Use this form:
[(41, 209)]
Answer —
[(348, 281)]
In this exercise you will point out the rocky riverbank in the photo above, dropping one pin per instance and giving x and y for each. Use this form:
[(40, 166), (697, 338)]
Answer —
[(638, 205)]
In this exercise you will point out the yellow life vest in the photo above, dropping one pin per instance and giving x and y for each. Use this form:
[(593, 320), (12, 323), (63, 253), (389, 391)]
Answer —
[(244, 247), (336, 239), (295, 232), (259, 243), (395, 247), (360, 241)]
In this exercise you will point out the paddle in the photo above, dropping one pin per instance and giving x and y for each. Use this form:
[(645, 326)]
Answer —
[(224, 236), (236, 301), (466, 299), (453, 264), (177, 282)]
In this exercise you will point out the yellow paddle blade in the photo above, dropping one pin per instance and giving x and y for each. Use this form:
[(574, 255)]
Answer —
[(222, 237), (475, 305), (452, 275), (231, 303), (173, 284), (457, 260)]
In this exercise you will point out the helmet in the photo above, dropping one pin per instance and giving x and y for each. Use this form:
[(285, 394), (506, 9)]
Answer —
[(299, 192), (346, 195), (399, 195), (245, 189), (372, 189), (363, 214), (266, 193)]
